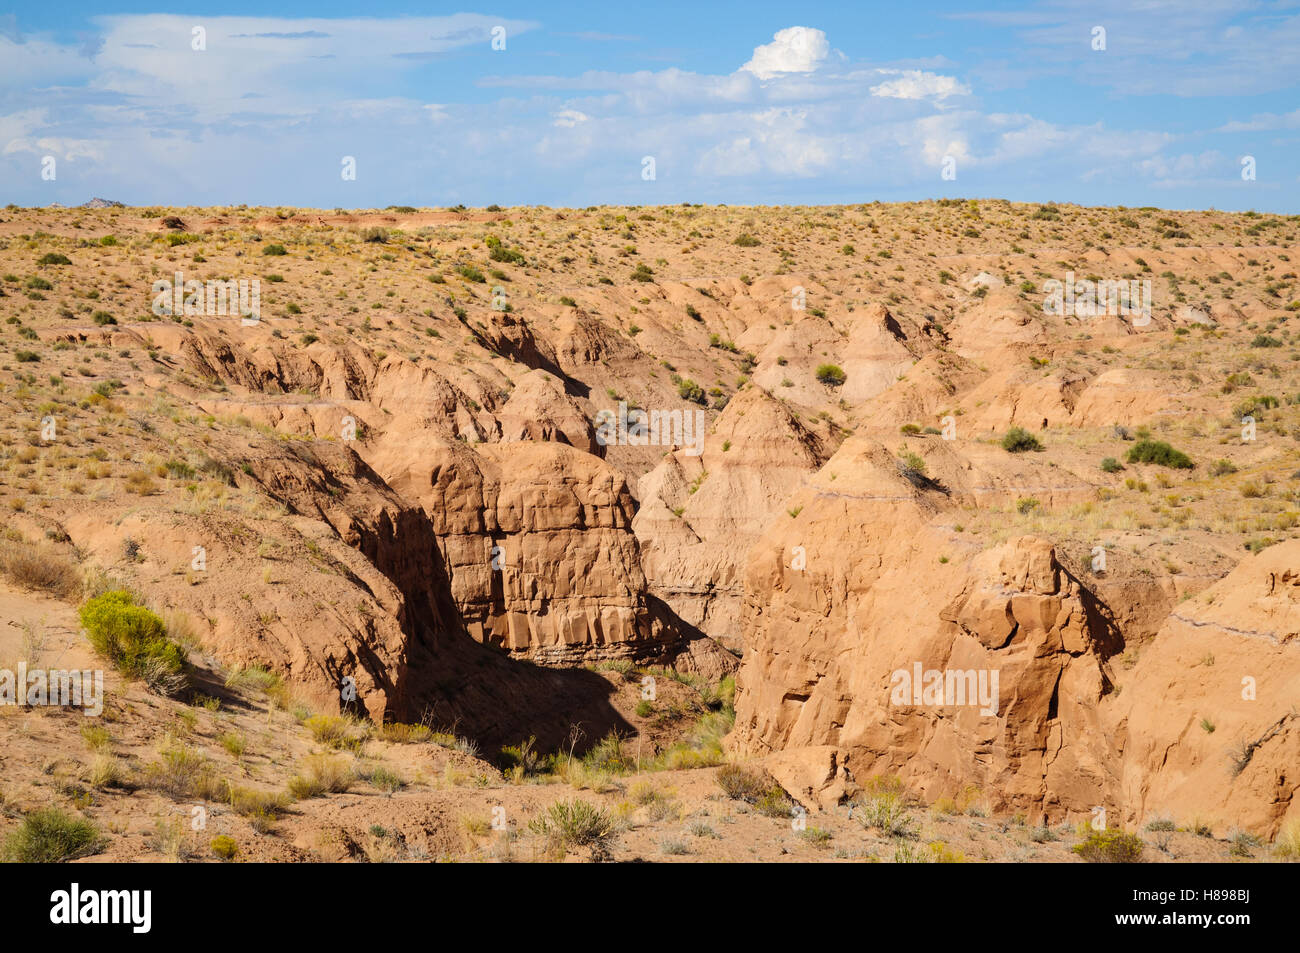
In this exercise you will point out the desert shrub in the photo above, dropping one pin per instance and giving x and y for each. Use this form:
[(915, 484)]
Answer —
[(375, 234), (741, 784), (754, 787), (1159, 452), (53, 258), (689, 390), (107, 772), (40, 567), (745, 240), (567, 824), (1018, 440), (1111, 465), (224, 847), (774, 803), (507, 255), (259, 678), (1287, 844), (183, 772), (262, 808), (831, 374), (274, 250), (335, 731), (1241, 843), (386, 780), (321, 774), (49, 836), (1110, 847), (135, 641), (470, 273), (398, 733), (610, 755), (525, 759), (882, 805), (912, 463)]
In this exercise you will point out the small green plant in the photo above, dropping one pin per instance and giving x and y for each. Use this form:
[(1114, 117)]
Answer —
[(831, 374), (568, 824), (320, 775), (882, 806), (1160, 453), (334, 731), (224, 847), (1019, 440), (1111, 465), (386, 780), (49, 836), (1110, 847), (689, 390)]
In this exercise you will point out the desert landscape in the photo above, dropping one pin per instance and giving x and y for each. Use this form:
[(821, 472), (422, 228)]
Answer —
[(866, 532)]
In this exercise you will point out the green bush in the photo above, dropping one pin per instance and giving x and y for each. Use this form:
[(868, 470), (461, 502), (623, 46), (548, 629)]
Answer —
[(49, 836), (274, 250), (575, 824), (1110, 847), (689, 390), (831, 374), (54, 258), (135, 641), (1018, 440), (1111, 465), (224, 847), (754, 787), (1159, 452)]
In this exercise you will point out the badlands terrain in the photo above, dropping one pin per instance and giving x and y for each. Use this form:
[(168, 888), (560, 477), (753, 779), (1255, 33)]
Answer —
[(405, 603)]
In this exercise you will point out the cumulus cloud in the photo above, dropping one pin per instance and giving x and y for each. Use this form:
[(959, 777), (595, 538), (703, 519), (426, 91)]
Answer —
[(568, 118), (916, 84), (796, 49)]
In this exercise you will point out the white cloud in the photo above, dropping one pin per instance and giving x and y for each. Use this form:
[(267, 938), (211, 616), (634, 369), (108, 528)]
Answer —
[(568, 118), (796, 49), (916, 84), (1263, 122)]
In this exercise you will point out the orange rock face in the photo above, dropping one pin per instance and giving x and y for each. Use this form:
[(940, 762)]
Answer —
[(881, 659)]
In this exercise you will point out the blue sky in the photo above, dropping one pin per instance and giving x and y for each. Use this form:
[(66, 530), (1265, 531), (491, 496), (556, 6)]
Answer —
[(738, 103)]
